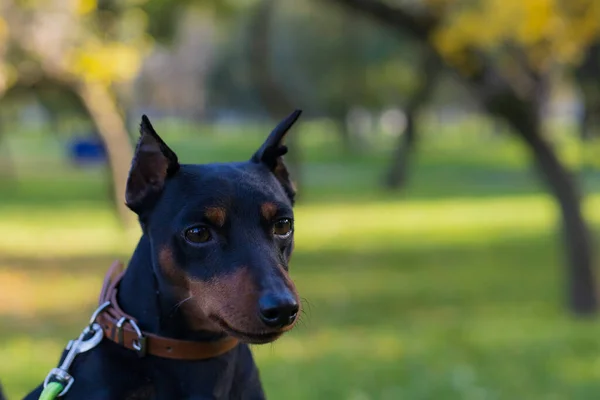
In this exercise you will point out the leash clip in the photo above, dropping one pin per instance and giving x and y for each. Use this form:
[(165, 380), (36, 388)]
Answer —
[(83, 344), (89, 338)]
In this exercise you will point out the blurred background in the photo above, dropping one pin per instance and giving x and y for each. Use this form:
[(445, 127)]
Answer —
[(447, 164)]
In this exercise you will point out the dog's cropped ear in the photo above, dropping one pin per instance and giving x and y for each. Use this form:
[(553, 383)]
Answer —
[(153, 162), (271, 153)]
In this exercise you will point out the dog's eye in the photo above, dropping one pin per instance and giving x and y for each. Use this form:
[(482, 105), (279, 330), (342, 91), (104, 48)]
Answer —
[(283, 228), (198, 234)]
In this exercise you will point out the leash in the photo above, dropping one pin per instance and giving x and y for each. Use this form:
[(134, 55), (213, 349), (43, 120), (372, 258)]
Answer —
[(52, 391), (111, 322)]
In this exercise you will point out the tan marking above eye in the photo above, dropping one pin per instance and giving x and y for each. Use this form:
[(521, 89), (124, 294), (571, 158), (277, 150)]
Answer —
[(216, 215), (268, 210)]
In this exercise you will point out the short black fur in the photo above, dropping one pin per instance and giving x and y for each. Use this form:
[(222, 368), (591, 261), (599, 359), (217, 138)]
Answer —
[(240, 272)]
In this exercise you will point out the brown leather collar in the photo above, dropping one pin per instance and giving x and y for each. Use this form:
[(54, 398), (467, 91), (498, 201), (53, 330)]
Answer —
[(123, 329)]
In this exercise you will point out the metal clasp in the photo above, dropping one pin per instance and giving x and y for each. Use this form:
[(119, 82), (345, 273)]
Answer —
[(89, 338), (85, 345)]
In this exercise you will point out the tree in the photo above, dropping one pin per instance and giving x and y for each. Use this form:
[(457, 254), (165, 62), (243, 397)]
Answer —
[(430, 71), (336, 63), (91, 49), (504, 52), (83, 48)]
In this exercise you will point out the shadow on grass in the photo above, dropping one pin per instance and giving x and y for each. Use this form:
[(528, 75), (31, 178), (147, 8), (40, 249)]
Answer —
[(484, 320), (347, 288), (72, 265)]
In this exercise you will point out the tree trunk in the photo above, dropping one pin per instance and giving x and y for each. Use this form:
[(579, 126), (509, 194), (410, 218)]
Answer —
[(7, 168), (587, 78), (346, 137), (525, 120), (108, 121), (585, 123), (407, 142), (578, 241), (396, 177), (272, 94)]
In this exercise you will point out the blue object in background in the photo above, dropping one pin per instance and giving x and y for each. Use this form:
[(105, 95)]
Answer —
[(87, 151)]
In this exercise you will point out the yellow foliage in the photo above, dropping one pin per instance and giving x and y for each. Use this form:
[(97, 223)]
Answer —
[(3, 30), (102, 60), (536, 21), (548, 30), (8, 76), (86, 6), (8, 73), (106, 62), (81, 42)]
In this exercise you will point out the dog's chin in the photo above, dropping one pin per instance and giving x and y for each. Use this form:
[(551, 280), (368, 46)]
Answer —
[(247, 337)]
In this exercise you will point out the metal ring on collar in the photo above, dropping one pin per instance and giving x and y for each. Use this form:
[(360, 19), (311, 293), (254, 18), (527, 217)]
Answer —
[(140, 344), (119, 326), (101, 308)]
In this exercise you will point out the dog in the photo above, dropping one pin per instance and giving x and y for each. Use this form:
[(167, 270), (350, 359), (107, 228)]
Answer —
[(208, 278)]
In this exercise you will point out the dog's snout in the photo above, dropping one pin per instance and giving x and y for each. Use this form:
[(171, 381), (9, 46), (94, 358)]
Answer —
[(278, 310)]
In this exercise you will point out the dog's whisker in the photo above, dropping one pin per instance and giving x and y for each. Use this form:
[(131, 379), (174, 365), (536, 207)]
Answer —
[(305, 301), (179, 304), (306, 310)]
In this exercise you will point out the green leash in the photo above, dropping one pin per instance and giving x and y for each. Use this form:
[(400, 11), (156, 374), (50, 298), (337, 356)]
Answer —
[(51, 391)]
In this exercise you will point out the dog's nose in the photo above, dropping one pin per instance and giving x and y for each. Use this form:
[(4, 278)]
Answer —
[(278, 311)]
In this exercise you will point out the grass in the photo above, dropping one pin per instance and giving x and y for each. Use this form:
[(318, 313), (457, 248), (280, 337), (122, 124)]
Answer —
[(452, 289)]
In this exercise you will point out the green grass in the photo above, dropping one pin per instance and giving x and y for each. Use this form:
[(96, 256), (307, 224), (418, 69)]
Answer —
[(452, 289)]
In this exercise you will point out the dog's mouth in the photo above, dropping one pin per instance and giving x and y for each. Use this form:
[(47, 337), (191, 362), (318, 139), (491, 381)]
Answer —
[(247, 337)]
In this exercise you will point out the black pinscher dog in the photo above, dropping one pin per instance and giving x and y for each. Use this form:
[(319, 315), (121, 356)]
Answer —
[(211, 265)]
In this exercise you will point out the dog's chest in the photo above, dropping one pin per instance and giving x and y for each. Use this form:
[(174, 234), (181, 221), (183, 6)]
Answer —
[(144, 392)]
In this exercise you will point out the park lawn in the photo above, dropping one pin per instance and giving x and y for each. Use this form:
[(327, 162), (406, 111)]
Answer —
[(451, 290)]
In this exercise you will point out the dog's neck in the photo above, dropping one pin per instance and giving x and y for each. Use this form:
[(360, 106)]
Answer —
[(142, 296), (230, 375)]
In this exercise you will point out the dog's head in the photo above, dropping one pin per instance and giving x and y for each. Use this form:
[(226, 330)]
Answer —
[(221, 234)]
